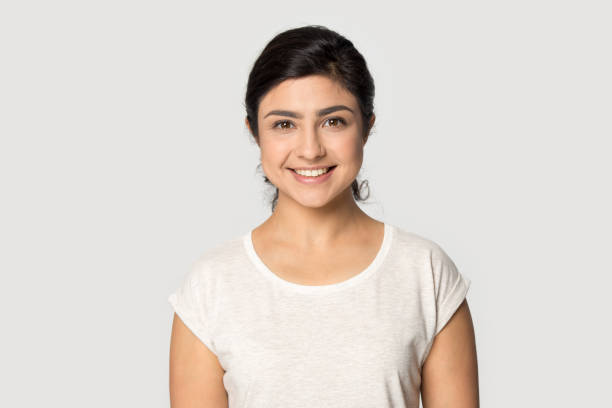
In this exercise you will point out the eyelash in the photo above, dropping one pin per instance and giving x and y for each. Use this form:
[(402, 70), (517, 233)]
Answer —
[(342, 122)]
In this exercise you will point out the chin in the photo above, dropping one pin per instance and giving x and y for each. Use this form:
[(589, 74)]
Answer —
[(310, 202)]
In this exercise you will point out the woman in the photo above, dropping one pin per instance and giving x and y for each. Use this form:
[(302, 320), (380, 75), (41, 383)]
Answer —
[(321, 305)]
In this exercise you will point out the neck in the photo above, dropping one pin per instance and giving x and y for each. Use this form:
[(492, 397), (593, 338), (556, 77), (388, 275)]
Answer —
[(317, 227)]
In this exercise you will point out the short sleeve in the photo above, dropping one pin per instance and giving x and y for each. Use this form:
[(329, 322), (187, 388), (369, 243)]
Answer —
[(450, 288), (190, 302)]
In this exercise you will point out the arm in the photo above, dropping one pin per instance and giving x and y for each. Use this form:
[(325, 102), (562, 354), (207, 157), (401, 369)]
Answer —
[(196, 376), (449, 378)]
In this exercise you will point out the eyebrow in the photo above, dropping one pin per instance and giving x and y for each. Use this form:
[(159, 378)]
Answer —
[(321, 112)]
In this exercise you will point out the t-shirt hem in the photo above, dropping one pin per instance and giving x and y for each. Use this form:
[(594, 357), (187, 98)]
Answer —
[(449, 307), (191, 324)]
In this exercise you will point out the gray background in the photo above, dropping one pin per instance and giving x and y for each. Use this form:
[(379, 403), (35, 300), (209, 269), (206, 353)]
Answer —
[(124, 155)]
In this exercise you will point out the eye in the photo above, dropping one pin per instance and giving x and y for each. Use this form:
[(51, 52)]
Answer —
[(336, 122), (285, 124)]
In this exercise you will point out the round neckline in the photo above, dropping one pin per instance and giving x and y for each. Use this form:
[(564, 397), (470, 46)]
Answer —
[(312, 289)]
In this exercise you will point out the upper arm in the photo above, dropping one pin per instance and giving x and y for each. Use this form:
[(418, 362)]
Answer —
[(449, 378), (196, 376)]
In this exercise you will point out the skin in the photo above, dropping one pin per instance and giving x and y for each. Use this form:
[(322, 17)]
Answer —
[(449, 378), (313, 224), (196, 376)]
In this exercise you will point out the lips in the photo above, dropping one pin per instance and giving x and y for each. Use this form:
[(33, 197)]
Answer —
[(328, 168), (314, 180)]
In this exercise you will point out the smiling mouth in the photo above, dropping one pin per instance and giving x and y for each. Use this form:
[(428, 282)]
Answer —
[(328, 168)]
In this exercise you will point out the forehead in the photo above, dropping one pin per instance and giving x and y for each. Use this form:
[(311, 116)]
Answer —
[(307, 94)]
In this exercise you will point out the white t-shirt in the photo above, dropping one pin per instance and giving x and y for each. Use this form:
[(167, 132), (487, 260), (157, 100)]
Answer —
[(359, 343)]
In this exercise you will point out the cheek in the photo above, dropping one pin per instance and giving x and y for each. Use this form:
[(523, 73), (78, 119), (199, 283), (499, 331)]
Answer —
[(359, 151), (351, 151), (272, 156)]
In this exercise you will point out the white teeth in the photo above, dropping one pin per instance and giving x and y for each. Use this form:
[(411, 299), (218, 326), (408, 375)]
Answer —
[(311, 173)]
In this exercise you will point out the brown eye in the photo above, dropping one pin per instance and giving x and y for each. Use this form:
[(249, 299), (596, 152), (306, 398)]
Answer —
[(284, 124), (336, 122)]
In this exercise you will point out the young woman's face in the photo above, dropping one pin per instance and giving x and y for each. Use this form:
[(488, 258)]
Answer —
[(310, 122)]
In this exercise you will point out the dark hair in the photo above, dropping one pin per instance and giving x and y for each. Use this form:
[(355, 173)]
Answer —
[(311, 50)]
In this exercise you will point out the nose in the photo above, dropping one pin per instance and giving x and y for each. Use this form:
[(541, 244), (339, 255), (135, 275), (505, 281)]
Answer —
[(310, 146)]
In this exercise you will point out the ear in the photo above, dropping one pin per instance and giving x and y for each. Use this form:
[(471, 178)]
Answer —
[(248, 125), (370, 124)]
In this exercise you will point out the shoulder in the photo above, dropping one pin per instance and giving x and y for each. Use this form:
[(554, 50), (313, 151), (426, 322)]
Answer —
[(218, 259), (418, 246), (423, 259)]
